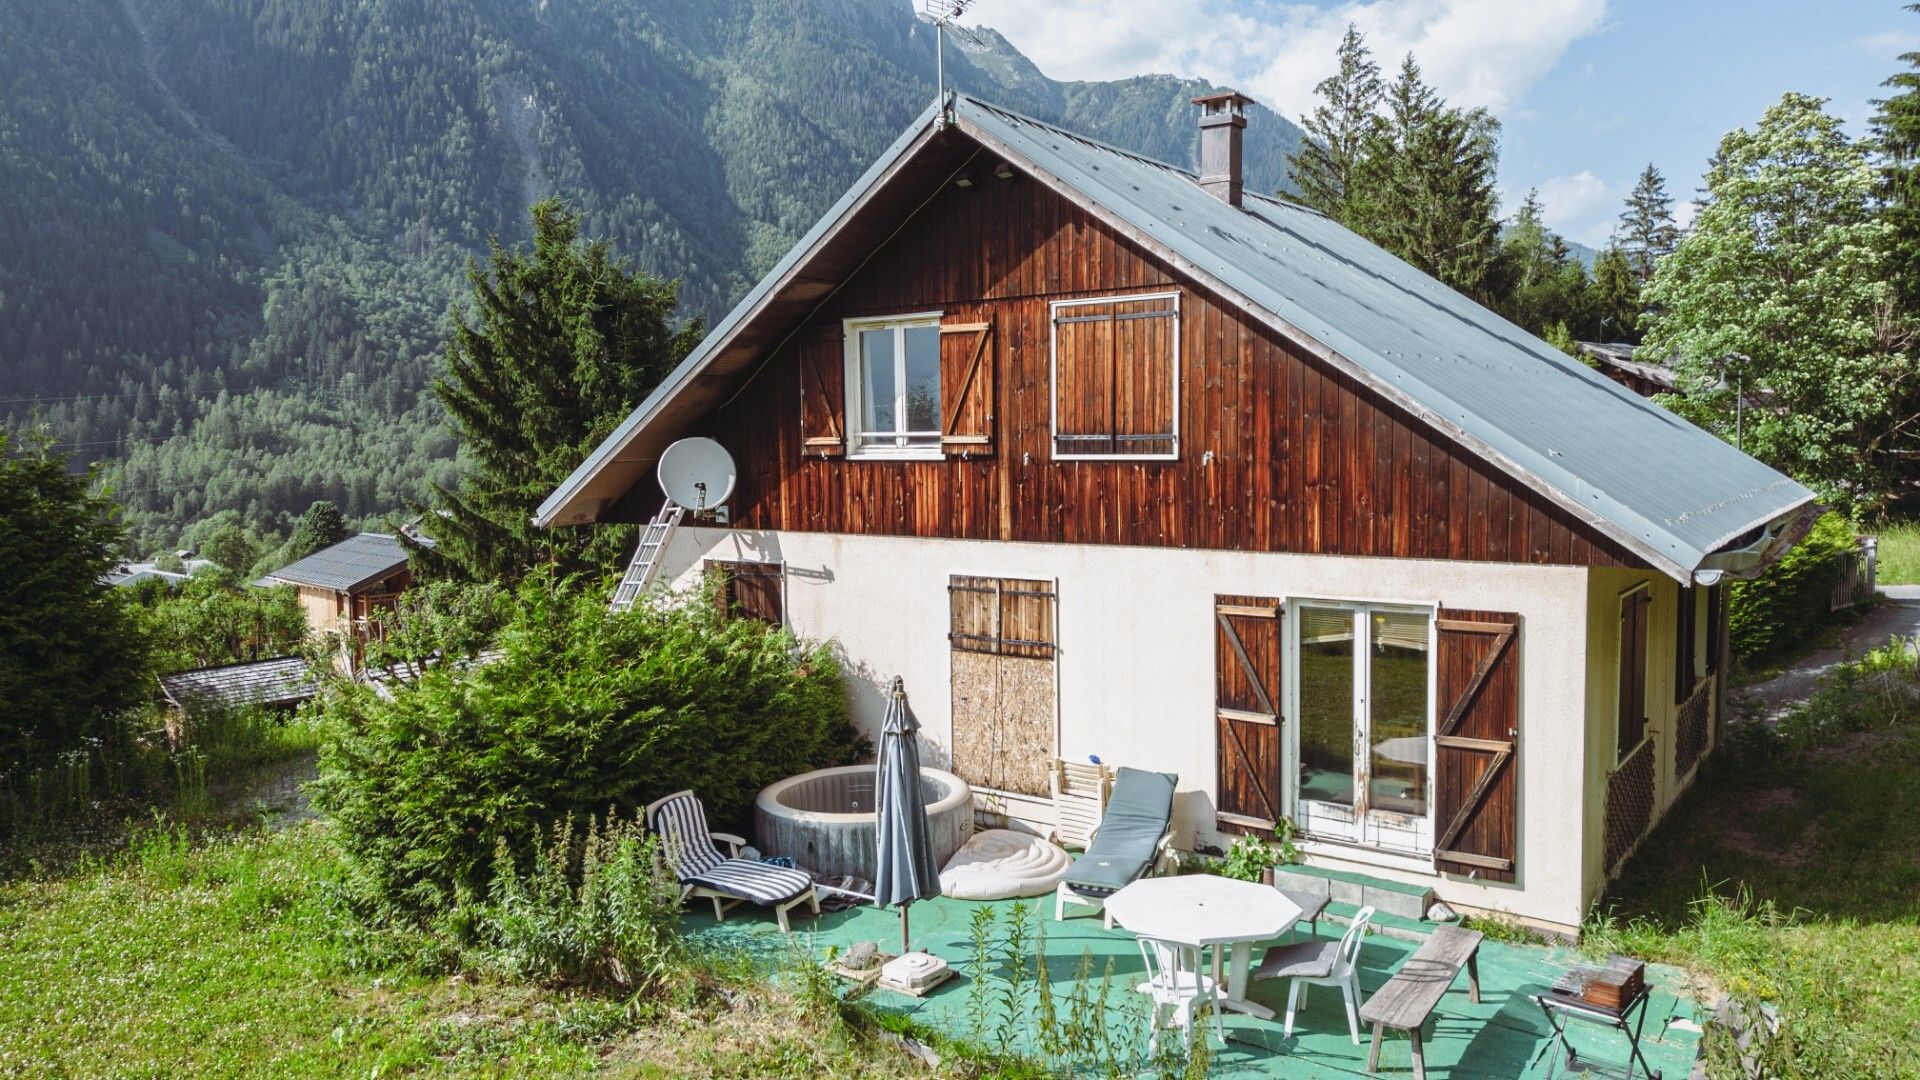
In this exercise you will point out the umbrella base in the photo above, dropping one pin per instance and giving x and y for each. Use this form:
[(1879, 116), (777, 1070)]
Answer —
[(916, 974)]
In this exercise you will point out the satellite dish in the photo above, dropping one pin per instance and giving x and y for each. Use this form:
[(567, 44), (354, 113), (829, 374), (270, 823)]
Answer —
[(697, 474)]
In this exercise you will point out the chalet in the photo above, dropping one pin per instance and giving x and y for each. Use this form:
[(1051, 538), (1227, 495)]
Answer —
[(1622, 363), (341, 586), (1107, 458)]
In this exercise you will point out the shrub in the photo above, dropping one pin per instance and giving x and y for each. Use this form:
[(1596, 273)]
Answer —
[(579, 712), (1788, 604), (597, 909)]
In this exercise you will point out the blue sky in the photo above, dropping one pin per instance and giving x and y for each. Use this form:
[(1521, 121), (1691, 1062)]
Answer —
[(1589, 91)]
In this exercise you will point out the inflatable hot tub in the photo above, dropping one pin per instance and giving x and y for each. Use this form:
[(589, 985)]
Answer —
[(824, 819)]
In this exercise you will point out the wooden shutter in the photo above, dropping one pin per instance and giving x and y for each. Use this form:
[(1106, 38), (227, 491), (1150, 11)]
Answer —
[(1143, 380), (1247, 637), (1685, 642), (966, 388), (1476, 745), (1716, 595), (1631, 717), (823, 396), (751, 590), (1083, 380)]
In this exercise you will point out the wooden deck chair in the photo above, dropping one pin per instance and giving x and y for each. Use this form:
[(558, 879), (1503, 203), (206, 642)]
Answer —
[(1129, 845), (1080, 790), (728, 880)]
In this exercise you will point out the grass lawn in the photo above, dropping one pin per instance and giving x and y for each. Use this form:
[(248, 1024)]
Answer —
[(1899, 555), (231, 958), (1813, 849)]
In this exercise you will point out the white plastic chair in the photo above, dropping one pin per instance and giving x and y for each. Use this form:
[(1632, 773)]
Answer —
[(1178, 983), (1321, 963)]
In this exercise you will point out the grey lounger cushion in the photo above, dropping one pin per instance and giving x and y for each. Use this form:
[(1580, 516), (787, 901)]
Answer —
[(1138, 813), (1312, 959)]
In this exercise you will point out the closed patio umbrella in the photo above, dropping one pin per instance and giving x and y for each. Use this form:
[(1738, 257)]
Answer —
[(904, 871)]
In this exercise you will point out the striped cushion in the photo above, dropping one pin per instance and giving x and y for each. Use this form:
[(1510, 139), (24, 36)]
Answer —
[(755, 881), (682, 825)]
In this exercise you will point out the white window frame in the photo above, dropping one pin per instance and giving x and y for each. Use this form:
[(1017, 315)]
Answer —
[(1372, 831), (1053, 376), (857, 448)]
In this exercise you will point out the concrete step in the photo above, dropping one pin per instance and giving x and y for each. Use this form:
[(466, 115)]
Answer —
[(1357, 890), (1394, 926)]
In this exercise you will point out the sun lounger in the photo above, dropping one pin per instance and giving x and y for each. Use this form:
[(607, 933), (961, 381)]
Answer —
[(681, 823), (1132, 837)]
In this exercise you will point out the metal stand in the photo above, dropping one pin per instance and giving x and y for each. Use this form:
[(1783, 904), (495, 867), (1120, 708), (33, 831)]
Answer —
[(1559, 1010)]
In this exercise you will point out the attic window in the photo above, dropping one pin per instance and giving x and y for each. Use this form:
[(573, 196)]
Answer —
[(893, 386), (1116, 377)]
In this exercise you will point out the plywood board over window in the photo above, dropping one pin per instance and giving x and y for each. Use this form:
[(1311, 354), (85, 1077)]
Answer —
[(1003, 682)]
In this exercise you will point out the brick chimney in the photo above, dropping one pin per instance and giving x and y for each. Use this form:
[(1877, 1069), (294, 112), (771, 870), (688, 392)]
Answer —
[(1223, 118)]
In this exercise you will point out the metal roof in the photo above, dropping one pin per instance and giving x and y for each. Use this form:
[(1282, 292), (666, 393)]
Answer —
[(1665, 489), (345, 566), (283, 680)]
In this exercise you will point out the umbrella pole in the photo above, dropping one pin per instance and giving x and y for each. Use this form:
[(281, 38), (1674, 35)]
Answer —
[(903, 928)]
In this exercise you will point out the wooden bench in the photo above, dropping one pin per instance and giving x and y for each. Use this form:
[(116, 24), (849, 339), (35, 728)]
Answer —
[(1408, 998)]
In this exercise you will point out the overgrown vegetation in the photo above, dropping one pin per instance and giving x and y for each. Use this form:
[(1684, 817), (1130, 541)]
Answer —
[(1899, 555), (1787, 876), (1788, 605), (213, 618), (579, 713)]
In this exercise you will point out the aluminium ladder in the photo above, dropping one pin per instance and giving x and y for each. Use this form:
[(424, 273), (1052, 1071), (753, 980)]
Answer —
[(646, 556)]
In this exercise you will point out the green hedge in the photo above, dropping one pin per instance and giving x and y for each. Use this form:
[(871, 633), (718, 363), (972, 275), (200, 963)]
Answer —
[(582, 713), (1787, 606)]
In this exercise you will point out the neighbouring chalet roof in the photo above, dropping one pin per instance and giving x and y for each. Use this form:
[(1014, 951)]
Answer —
[(345, 566), (283, 680), (1664, 489), (1624, 358)]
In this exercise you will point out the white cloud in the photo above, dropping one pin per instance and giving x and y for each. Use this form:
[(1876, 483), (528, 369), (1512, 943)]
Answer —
[(1684, 212), (1477, 52), (1580, 206), (1889, 42)]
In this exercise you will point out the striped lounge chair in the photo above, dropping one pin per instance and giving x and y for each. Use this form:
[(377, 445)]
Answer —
[(681, 823)]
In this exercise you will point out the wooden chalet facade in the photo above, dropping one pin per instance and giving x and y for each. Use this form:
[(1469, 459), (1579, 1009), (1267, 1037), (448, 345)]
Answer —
[(1018, 423)]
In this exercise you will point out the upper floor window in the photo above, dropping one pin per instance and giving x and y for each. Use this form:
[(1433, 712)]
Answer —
[(1116, 377), (893, 386)]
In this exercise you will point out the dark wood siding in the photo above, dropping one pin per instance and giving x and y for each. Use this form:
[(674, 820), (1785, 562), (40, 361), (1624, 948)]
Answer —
[(1278, 452)]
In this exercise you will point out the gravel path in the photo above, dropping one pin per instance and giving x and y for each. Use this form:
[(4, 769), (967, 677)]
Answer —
[(1898, 613)]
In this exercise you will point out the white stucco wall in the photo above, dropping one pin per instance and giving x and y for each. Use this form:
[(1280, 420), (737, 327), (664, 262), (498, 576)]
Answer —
[(1136, 664)]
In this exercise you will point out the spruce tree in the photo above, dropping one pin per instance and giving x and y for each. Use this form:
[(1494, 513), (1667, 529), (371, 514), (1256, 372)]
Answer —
[(320, 527), (1896, 134), (1425, 185), (1615, 297), (1647, 230), (561, 343), (1323, 170), (1540, 285)]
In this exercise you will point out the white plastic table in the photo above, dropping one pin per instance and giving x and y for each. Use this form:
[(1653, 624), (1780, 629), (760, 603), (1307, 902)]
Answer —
[(1205, 910)]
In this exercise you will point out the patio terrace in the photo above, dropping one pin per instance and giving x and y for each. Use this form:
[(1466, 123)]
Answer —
[(1503, 1036)]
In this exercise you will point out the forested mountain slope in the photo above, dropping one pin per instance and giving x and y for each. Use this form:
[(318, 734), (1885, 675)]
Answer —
[(232, 228)]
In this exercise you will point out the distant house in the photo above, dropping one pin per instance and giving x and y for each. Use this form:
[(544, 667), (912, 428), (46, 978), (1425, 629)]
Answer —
[(1622, 363), (1107, 458), (341, 586), (132, 573), (278, 682)]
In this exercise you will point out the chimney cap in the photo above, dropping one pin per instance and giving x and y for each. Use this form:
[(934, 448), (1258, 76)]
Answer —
[(1223, 101)]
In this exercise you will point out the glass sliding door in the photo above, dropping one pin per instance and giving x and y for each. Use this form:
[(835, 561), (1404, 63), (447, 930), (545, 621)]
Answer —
[(1363, 694)]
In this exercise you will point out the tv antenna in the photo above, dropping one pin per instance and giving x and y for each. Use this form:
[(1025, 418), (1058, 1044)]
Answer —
[(943, 15)]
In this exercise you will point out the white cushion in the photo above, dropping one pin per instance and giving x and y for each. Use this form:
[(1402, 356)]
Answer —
[(1000, 864)]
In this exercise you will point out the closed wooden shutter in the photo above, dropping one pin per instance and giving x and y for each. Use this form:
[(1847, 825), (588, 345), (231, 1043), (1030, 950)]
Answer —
[(1631, 723), (750, 590), (1115, 377), (1685, 645), (823, 396), (966, 388), (1476, 744), (1247, 639)]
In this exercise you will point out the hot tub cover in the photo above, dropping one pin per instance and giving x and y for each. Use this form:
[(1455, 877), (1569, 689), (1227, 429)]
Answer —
[(1000, 864)]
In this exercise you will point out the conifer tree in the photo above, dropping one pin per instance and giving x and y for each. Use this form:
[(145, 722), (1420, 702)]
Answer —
[(320, 527), (1540, 284), (1647, 229), (1896, 133), (1615, 297), (561, 343), (1324, 169), (1426, 189)]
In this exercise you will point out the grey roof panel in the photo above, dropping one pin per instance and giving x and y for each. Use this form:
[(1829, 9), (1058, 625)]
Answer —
[(1679, 490), (351, 562), (282, 680)]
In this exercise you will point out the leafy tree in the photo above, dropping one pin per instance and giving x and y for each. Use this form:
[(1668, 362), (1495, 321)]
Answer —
[(1779, 291), (1324, 170), (1614, 299), (212, 620), (1541, 285), (1896, 132), (563, 343), (320, 527), (69, 653), (231, 549), (1647, 229), (1426, 185)]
